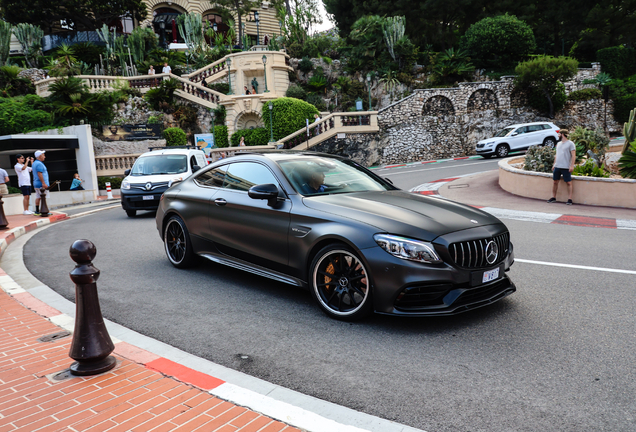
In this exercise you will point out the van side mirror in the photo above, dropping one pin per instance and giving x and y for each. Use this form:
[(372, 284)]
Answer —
[(127, 172), (195, 168)]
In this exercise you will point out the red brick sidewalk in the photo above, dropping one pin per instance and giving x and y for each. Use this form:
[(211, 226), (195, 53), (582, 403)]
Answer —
[(131, 397)]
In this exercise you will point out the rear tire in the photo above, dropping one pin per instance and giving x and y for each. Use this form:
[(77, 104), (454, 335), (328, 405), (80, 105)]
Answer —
[(549, 142), (177, 244), (502, 150), (340, 283), (131, 213)]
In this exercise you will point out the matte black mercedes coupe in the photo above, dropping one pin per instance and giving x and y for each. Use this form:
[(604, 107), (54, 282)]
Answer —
[(324, 222)]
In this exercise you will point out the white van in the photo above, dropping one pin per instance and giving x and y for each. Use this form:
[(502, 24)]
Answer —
[(154, 172)]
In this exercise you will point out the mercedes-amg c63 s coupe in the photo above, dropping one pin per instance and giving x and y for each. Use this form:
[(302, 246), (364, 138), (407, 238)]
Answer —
[(323, 222)]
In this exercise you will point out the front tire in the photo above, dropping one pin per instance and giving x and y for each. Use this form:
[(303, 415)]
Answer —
[(177, 244), (340, 283), (131, 213), (502, 150)]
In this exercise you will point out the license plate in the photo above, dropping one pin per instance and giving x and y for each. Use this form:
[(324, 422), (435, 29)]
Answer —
[(148, 197), (490, 275)]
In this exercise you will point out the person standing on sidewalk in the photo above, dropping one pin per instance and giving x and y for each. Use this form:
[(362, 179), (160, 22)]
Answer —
[(40, 179), (563, 165), (22, 170), (4, 179)]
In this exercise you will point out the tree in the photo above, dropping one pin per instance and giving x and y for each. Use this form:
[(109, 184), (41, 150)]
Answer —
[(544, 73), (79, 15), (288, 115), (498, 42), (238, 8)]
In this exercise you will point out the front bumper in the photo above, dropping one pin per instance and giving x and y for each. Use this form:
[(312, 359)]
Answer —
[(409, 288), (133, 200)]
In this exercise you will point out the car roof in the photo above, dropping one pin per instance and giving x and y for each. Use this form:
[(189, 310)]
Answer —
[(282, 155), (171, 151), (530, 124)]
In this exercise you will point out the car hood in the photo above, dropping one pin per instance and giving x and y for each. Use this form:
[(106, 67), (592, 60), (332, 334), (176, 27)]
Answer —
[(495, 139), (403, 213)]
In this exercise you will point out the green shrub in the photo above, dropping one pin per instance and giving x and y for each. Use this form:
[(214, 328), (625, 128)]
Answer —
[(627, 163), (175, 137), (158, 119), (594, 140), (619, 61), (589, 169), (220, 136), (288, 116), (88, 52), (539, 159), (305, 65), (13, 190), (23, 114), (253, 137), (296, 91), (498, 42), (585, 94), (538, 101), (317, 101), (115, 182), (219, 87)]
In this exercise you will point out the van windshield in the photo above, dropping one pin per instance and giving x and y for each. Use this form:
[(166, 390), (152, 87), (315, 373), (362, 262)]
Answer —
[(160, 164)]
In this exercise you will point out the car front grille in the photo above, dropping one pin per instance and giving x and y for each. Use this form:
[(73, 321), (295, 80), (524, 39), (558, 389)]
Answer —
[(155, 185), (472, 254)]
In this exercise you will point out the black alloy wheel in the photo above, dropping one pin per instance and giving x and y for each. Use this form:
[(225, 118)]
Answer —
[(176, 240), (502, 150), (549, 142), (340, 283)]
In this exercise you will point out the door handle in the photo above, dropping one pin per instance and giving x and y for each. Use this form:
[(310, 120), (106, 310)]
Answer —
[(220, 201)]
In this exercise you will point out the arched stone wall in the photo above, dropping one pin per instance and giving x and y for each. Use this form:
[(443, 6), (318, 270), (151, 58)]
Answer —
[(481, 100), (438, 105), (182, 6), (248, 120), (518, 98)]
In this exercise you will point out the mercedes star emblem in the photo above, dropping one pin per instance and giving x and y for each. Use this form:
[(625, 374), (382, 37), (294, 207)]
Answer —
[(492, 252)]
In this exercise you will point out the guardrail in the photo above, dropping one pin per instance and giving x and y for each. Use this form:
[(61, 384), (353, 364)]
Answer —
[(331, 125), (114, 165)]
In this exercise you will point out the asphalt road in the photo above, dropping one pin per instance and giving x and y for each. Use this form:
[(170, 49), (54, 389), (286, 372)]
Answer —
[(557, 355)]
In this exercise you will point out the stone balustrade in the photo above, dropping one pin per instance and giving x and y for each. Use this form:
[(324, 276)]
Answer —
[(114, 165), (207, 71)]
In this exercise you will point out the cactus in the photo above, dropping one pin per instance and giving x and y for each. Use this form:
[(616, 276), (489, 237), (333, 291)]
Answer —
[(191, 30), (629, 131), (393, 30), (30, 37), (5, 41)]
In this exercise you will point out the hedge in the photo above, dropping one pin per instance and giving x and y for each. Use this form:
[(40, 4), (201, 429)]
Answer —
[(115, 182), (288, 116), (220, 136), (253, 137), (585, 94), (619, 61), (175, 137)]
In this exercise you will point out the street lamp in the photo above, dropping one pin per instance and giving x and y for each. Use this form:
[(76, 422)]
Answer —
[(215, 27), (258, 35), (213, 137), (369, 85), (229, 75), (271, 129), (265, 72)]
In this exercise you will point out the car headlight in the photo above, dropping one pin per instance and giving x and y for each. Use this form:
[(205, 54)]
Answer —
[(490, 143), (408, 249), (125, 185)]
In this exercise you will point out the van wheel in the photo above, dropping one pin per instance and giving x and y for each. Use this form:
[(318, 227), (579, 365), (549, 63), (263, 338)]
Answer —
[(131, 213)]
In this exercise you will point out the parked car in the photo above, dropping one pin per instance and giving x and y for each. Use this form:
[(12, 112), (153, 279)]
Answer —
[(518, 137), (155, 171), (326, 223)]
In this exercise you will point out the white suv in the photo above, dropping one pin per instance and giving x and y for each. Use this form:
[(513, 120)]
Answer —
[(154, 172), (518, 137)]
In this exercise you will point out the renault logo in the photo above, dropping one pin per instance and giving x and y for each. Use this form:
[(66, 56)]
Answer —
[(148, 186), (492, 252)]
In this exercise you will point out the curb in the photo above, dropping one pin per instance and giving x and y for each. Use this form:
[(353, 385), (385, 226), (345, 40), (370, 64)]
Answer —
[(275, 408)]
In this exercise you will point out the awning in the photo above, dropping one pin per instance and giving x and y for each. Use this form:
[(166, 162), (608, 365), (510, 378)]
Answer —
[(167, 18)]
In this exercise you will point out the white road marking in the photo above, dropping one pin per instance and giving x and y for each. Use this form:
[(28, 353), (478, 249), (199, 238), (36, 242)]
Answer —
[(576, 266), (626, 224)]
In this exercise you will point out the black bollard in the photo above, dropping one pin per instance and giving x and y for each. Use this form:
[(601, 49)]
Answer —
[(4, 223), (91, 346), (44, 209)]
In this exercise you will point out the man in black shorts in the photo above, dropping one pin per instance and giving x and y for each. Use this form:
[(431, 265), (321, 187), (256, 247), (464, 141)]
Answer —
[(563, 165)]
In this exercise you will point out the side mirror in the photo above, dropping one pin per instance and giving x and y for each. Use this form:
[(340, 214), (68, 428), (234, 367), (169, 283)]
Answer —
[(267, 192), (127, 172), (514, 134), (195, 168)]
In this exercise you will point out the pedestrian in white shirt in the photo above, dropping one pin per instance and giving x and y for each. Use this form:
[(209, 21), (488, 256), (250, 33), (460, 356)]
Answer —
[(166, 68), (22, 170)]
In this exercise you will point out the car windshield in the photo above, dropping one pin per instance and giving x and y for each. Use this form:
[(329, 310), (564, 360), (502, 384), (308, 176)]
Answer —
[(504, 132), (160, 164), (321, 176)]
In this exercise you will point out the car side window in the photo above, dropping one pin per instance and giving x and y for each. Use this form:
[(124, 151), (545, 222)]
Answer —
[(520, 130), (535, 128), (213, 177), (243, 175)]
